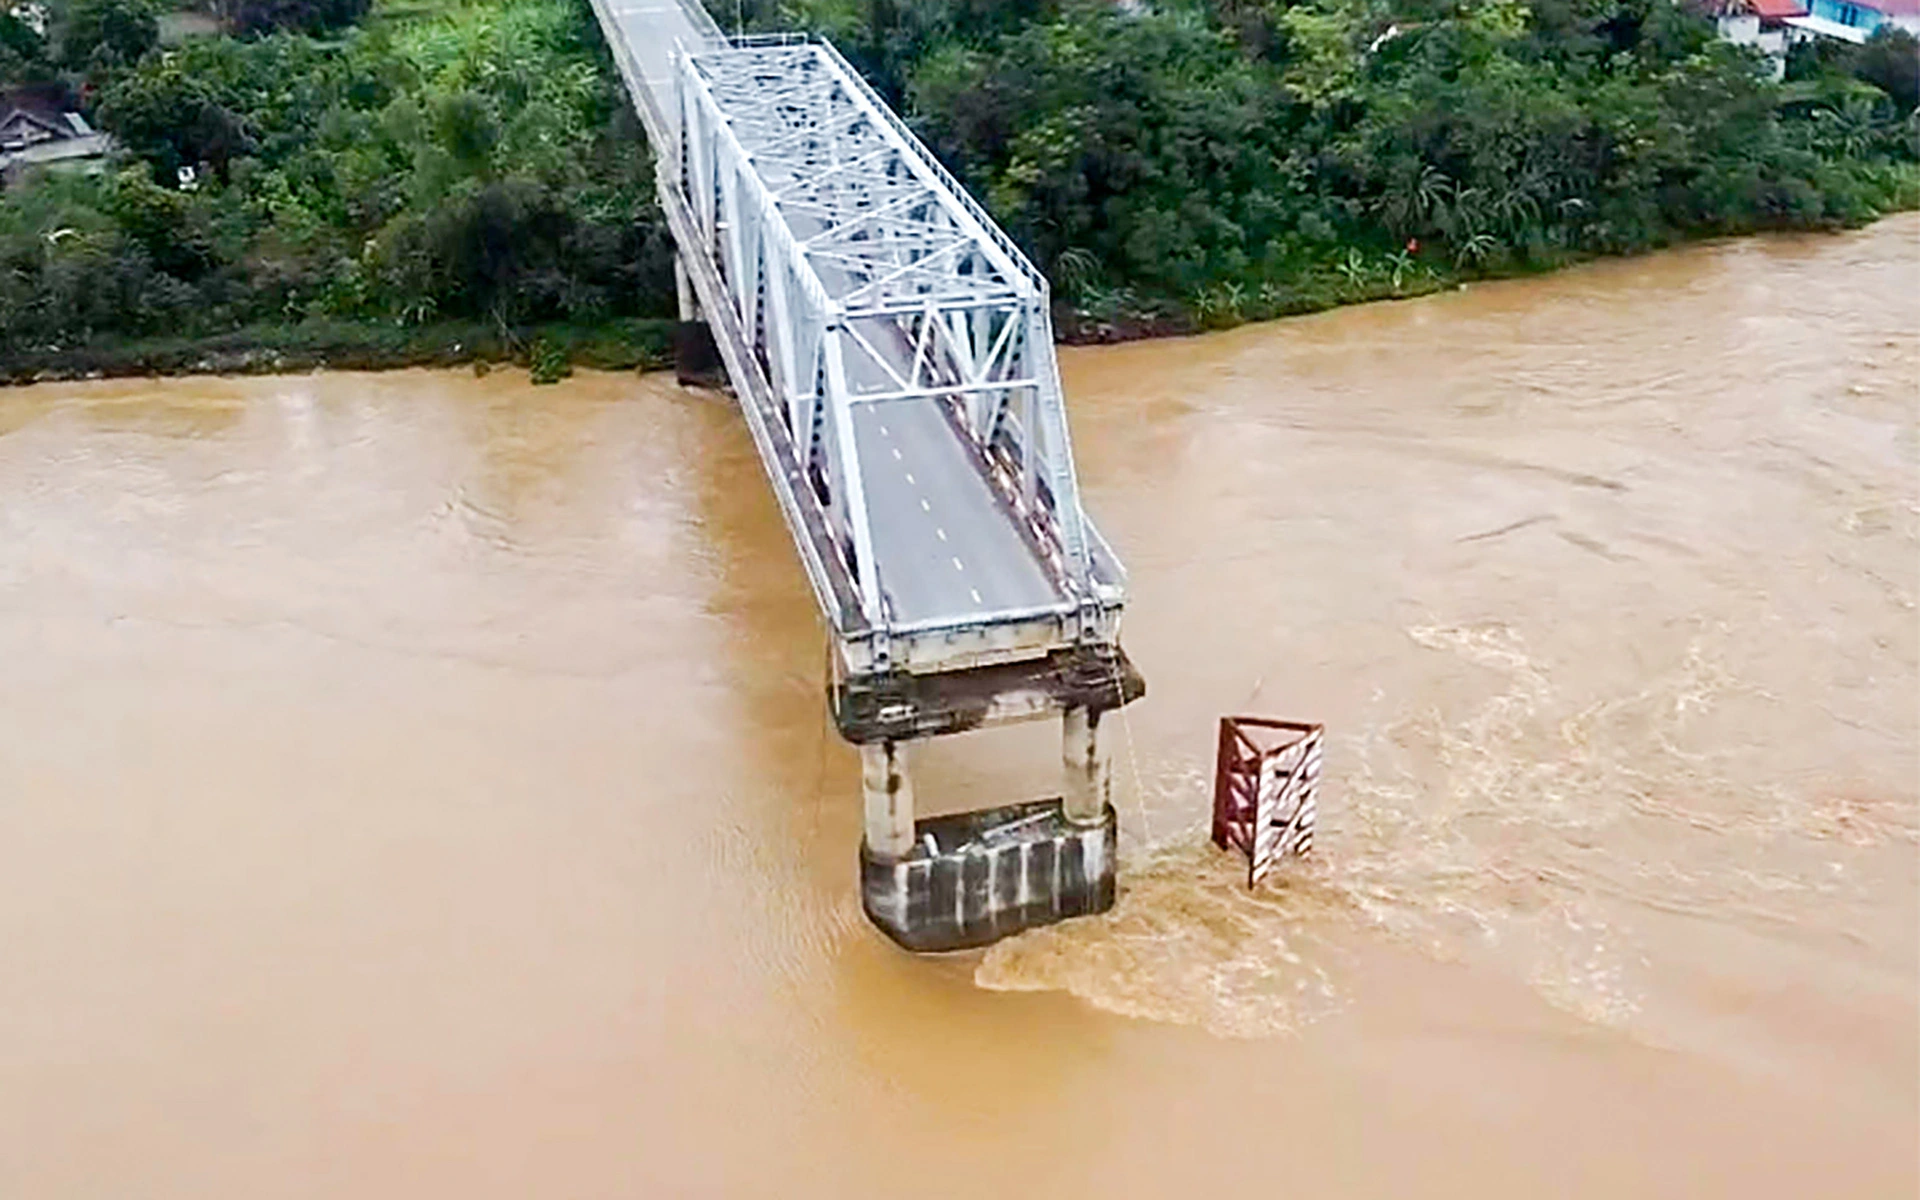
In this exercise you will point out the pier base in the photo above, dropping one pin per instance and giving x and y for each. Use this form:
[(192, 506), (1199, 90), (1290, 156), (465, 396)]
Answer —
[(696, 357), (973, 878)]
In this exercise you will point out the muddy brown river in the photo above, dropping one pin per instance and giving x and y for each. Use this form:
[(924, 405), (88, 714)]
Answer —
[(415, 785)]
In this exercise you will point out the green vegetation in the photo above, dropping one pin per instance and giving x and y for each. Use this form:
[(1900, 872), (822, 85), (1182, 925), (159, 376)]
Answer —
[(461, 163), (1221, 160), (1890, 62), (620, 344), (437, 179)]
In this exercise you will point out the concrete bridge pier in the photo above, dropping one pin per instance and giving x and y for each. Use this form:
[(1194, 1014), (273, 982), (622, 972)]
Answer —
[(696, 359), (966, 879), (1089, 768), (683, 290), (887, 788)]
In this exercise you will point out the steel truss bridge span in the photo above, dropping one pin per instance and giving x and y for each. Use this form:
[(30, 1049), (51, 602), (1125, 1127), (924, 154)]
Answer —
[(892, 353), (891, 348)]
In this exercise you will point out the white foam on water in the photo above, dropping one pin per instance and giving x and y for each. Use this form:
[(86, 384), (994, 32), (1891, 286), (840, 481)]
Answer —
[(1530, 833), (1184, 943)]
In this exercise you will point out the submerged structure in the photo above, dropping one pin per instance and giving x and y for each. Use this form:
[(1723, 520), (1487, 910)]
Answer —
[(891, 351), (1266, 787)]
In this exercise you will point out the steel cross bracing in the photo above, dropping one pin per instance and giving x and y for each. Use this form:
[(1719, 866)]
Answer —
[(892, 351)]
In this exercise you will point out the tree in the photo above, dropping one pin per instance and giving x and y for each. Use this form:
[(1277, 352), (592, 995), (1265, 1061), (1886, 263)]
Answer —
[(1890, 61), (469, 129), (23, 52), (173, 119), (99, 37), (501, 250), (256, 17)]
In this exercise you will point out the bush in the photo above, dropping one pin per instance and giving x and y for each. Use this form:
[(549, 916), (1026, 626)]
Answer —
[(467, 163), (257, 17), (1258, 151), (99, 37), (1890, 61), (548, 363)]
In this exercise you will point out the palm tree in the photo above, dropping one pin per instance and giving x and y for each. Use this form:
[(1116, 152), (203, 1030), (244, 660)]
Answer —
[(1477, 248), (1073, 269)]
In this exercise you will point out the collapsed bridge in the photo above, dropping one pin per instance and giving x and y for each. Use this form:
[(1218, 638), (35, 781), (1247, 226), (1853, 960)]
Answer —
[(892, 353)]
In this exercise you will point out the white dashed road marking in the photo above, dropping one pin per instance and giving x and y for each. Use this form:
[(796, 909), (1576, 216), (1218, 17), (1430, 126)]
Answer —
[(975, 593), (924, 506), (957, 565), (942, 533)]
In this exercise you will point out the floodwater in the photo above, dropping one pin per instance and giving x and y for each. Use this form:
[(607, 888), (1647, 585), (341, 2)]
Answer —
[(419, 785)]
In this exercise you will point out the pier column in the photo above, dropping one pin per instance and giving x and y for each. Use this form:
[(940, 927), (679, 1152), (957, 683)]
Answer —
[(887, 789), (1089, 780), (696, 359), (683, 289)]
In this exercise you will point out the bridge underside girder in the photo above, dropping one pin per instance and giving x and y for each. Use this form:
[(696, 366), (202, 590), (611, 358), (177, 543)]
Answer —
[(898, 706)]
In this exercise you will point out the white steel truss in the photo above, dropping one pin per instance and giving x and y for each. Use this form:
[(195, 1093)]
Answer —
[(858, 273)]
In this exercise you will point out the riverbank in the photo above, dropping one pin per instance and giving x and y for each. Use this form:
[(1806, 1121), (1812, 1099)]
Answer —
[(548, 352), (1170, 171), (1404, 276)]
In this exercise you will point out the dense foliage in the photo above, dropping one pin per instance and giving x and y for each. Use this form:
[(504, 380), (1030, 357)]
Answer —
[(1164, 160), (476, 161), (95, 38), (307, 16), (1252, 157)]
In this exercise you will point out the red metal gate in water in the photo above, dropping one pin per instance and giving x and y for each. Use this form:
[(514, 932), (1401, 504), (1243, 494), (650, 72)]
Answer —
[(1266, 781)]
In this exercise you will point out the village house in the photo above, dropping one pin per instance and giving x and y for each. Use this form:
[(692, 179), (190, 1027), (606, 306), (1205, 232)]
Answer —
[(1772, 26), (1765, 25), (1857, 20), (39, 128)]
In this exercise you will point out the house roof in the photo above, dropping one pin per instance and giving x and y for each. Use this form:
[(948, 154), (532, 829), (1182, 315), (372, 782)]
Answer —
[(23, 125), (1766, 10), (36, 117), (39, 126), (90, 146)]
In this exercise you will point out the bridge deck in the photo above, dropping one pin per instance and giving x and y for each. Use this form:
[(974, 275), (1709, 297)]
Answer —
[(945, 547), (644, 37)]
